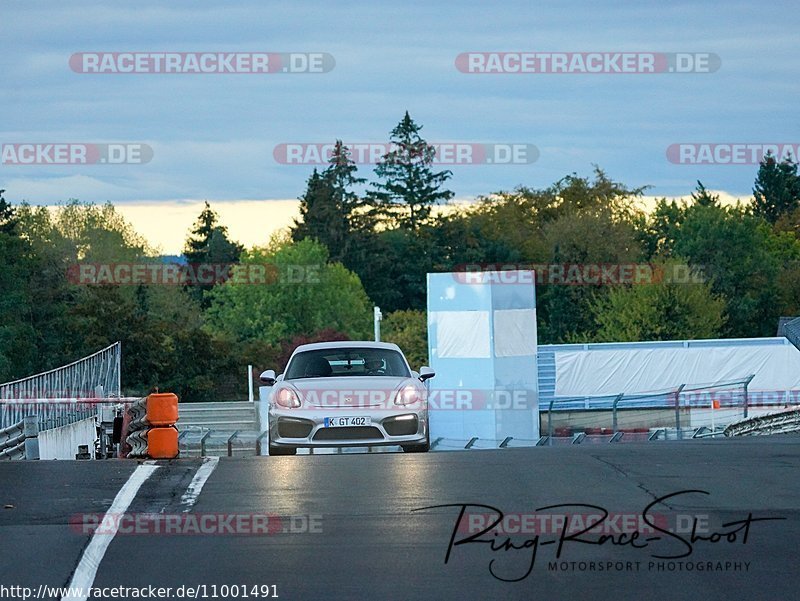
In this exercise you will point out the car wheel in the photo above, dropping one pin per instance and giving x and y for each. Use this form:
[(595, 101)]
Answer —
[(418, 448)]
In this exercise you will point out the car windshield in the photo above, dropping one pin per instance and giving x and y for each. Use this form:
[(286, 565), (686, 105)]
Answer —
[(347, 362)]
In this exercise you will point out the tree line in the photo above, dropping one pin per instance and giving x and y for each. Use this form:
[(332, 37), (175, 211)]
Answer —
[(359, 243)]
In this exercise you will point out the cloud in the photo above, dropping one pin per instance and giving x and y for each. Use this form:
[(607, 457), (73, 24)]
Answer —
[(213, 135)]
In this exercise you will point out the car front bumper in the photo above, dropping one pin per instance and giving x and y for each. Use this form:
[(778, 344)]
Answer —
[(293, 428)]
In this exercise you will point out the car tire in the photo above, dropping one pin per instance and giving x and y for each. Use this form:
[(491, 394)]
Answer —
[(418, 448)]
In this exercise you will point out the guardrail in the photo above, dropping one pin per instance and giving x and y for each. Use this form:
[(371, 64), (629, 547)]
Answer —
[(20, 441), (728, 395), (50, 412), (580, 438), (55, 416), (784, 422)]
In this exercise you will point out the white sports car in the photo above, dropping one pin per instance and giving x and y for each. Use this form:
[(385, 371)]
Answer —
[(347, 394)]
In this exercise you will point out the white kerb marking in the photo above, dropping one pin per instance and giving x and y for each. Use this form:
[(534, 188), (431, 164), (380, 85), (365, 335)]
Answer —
[(189, 498), (84, 575)]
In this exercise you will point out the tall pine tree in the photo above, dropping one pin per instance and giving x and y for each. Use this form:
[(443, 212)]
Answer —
[(703, 197), (777, 188), (208, 243), (331, 211), (320, 219), (409, 187)]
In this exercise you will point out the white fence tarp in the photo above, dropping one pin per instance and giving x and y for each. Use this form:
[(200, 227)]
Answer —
[(597, 372), (462, 334)]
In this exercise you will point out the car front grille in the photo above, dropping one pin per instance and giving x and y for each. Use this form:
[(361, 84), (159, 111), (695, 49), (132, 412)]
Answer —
[(348, 433)]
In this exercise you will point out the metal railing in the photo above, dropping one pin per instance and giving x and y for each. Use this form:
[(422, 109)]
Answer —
[(731, 394), (66, 394), (20, 440), (792, 332), (51, 413), (78, 379)]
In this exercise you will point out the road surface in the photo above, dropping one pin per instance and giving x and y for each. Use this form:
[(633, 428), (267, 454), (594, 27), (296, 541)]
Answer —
[(355, 526)]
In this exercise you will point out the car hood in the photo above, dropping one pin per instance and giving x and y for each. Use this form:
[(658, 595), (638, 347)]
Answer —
[(359, 391)]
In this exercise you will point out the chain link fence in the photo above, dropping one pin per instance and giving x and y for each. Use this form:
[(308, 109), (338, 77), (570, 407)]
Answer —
[(66, 394)]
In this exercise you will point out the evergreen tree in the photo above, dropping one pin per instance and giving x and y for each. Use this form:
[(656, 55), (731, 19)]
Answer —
[(703, 197), (8, 221), (777, 188), (318, 219), (208, 241), (330, 211), (17, 337), (341, 174), (409, 186)]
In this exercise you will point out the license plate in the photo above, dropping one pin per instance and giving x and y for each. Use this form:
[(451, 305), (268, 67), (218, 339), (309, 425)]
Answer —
[(350, 420)]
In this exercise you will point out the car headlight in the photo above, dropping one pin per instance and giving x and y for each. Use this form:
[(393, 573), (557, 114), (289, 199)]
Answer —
[(286, 397), (408, 395)]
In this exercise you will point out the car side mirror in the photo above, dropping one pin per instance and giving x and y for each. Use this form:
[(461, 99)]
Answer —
[(268, 377), (426, 373)]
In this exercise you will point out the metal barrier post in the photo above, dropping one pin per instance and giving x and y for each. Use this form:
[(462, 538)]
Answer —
[(614, 412), (746, 384), (550, 423), (230, 443), (203, 443), (259, 444), (30, 430), (678, 411)]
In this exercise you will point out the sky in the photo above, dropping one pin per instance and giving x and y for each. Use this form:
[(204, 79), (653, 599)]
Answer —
[(219, 136)]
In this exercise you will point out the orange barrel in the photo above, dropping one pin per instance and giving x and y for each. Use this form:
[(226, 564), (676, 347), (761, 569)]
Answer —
[(162, 443), (162, 409)]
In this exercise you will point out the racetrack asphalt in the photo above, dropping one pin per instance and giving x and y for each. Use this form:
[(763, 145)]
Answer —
[(363, 526)]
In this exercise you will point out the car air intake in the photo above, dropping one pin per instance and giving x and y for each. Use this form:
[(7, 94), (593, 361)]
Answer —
[(348, 433), (294, 428), (400, 427)]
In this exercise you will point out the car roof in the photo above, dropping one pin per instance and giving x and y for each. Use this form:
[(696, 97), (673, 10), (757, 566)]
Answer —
[(347, 344)]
